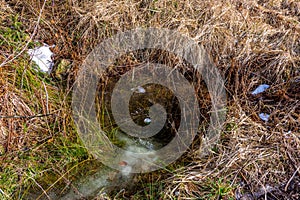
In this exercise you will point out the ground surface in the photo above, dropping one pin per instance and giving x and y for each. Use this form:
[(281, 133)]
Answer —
[(251, 43)]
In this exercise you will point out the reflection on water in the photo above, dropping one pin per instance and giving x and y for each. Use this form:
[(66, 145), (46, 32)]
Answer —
[(102, 179)]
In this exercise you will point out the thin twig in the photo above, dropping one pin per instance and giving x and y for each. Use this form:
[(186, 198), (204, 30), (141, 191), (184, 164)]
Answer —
[(47, 98), (1, 191), (26, 117), (44, 192), (288, 183)]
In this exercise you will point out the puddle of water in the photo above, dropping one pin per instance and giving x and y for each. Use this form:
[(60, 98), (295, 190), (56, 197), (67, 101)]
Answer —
[(106, 179), (103, 179)]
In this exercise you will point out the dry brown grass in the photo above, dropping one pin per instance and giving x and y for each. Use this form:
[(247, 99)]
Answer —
[(251, 42)]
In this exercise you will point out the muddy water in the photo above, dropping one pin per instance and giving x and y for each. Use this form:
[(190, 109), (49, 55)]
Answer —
[(106, 179), (103, 179)]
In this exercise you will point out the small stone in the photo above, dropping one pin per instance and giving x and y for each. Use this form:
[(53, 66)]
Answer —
[(147, 120)]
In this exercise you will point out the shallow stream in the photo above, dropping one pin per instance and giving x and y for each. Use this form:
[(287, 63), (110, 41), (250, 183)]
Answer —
[(102, 179)]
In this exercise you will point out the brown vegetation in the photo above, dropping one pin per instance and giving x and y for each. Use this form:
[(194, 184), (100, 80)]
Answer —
[(251, 43)]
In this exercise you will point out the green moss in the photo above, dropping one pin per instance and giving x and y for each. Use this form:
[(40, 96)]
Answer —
[(13, 35), (218, 189), (8, 182)]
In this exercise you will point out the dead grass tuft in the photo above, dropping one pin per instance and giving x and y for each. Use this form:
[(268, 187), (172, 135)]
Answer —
[(251, 42)]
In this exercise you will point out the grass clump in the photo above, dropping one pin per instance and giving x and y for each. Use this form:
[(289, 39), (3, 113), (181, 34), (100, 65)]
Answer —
[(37, 136)]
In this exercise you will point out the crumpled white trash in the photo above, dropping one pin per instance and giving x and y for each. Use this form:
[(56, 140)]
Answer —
[(42, 56), (260, 89)]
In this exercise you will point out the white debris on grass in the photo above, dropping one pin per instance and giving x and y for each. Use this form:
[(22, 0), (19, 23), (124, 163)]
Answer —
[(264, 116), (260, 89), (42, 57), (139, 89)]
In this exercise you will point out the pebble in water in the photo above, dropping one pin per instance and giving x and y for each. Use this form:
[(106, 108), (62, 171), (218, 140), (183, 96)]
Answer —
[(147, 120)]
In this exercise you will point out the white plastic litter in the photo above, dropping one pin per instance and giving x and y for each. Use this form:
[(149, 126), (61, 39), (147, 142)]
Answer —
[(260, 89), (42, 57), (264, 116), (139, 89)]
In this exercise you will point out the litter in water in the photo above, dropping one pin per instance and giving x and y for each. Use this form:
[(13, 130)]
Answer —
[(147, 120)]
